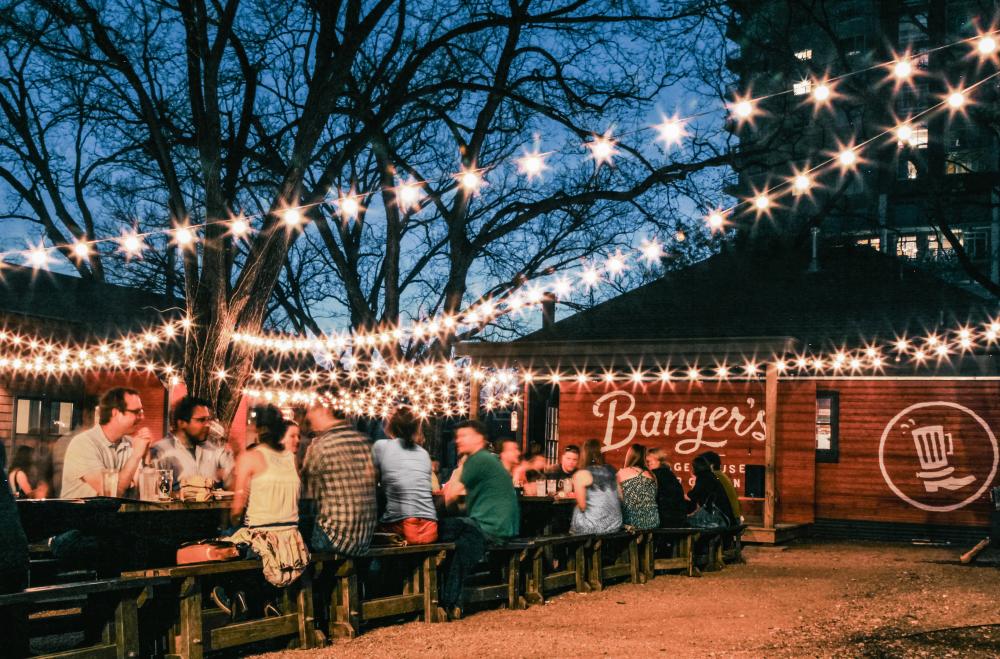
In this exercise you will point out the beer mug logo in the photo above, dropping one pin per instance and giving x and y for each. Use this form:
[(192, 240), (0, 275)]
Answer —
[(938, 456)]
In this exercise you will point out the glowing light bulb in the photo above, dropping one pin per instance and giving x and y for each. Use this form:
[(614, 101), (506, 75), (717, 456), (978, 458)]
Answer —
[(801, 183), (408, 195), (470, 180), (349, 207), (292, 217), (132, 244), (81, 250), (986, 45), (615, 264), (602, 149), (184, 237), (956, 100), (652, 250), (38, 257), (716, 221), (239, 227), (847, 158), (671, 131), (762, 202), (531, 165), (680, 236), (743, 110), (904, 133), (902, 69), (591, 276), (821, 93)]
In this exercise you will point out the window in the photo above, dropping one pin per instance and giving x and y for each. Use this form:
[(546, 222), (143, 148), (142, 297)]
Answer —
[(827, 426), (40, 418), (906, 246), (874, 243), (804, 55), (977, 244), (802, 88)]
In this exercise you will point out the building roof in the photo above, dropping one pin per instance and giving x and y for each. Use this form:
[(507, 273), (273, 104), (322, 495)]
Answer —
[(76, 306), (735, 301)]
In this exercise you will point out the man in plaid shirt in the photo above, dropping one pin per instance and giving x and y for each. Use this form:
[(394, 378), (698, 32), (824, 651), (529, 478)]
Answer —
[(339, 477)]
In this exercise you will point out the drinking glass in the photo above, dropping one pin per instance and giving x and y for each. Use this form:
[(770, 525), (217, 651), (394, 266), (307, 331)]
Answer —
[(165, 483), (109, 482), (148, 484)]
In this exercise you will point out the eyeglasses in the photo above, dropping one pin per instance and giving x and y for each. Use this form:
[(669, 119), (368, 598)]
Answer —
[(138, 412)]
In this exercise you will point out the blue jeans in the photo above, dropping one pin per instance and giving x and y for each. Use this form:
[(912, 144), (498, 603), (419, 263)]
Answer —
[(470, 548)]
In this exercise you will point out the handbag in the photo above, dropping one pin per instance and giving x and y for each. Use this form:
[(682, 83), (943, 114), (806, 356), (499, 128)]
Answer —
[(205, 551), (708, 517)]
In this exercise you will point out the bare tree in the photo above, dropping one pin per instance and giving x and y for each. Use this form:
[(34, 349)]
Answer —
[(196, 112)]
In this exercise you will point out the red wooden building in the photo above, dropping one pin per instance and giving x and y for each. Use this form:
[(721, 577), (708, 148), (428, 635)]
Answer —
[(35, 410), (904, 449)]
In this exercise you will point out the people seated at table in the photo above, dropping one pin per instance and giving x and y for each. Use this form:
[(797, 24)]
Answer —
[(492, 510), (403, 469), (17, 477), (529, 472), (598, 507), (339, 477), (638, 490), (116, 443), (510, 454), (670, 501), (188, 450), (734, 498), (265, 503)]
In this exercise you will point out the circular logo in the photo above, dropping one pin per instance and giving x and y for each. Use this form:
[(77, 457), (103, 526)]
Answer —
[(938, 456)]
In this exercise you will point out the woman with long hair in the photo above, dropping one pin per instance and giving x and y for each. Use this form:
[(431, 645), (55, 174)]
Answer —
[(404, 472), (638, 490), (20, 485), (598, 508)]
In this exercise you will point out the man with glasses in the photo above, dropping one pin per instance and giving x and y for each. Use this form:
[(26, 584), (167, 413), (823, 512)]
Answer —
[(188, 449), (116, 442)]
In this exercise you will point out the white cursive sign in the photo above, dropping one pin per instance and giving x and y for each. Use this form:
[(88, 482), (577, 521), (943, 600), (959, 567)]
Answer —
[(686, 424)]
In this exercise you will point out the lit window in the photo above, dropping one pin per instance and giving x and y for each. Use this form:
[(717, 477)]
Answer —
[(804, 55), (874, 243), (827, 422), (906, 247), (802, 88)]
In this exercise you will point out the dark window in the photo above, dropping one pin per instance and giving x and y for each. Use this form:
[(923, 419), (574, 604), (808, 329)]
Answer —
[(827, 426)]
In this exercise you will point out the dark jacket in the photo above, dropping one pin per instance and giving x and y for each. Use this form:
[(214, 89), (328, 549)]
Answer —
[(708, 488), (13, 542), (670, 498)]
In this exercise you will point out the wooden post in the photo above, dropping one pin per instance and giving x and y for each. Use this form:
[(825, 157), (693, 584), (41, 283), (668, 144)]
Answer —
[(525, 405), (473, 396), (770, 442)]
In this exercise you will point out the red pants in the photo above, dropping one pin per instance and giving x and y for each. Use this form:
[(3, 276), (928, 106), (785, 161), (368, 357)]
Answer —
[(414, 530)]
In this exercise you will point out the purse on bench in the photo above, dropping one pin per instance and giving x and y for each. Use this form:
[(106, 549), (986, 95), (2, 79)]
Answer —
[(204, 551)]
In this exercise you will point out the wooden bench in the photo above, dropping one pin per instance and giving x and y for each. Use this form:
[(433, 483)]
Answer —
[(348, 609), (545, 577), (105, 610), (681, 543), (717, 555), (502, 581), (626, 561), (197, 630)]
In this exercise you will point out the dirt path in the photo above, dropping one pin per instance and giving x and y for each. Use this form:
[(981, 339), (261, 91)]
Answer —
[(809, 599)]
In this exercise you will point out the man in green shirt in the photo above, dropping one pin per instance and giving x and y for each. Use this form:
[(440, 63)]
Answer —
[(491, 506)]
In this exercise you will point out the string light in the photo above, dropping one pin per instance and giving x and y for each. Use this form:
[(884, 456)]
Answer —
[(743, 109), (902, 69), (38, 257), (292, 217), (986, 45), (716, 221), (652, 251), (132, 244), (408, 195), (671, 131), (602, 149), (81, 250), (762, 202), (184, 237), (904, 133), (956, 100), (847, 158), (531, 165), (239, 227), (471, 180), (349, 207), (801, 183), (822, 93)]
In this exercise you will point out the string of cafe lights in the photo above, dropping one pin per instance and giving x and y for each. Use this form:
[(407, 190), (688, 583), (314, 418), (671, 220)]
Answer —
[(409, 194)]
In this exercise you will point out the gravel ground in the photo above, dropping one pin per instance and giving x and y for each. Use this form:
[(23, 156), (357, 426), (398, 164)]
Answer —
[(807, 599)]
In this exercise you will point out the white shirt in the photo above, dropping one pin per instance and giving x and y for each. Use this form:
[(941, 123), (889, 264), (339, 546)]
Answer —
[(207, 460), (89, 452)]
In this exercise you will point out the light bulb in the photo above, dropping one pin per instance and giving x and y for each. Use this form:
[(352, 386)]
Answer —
[(902, 69)]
